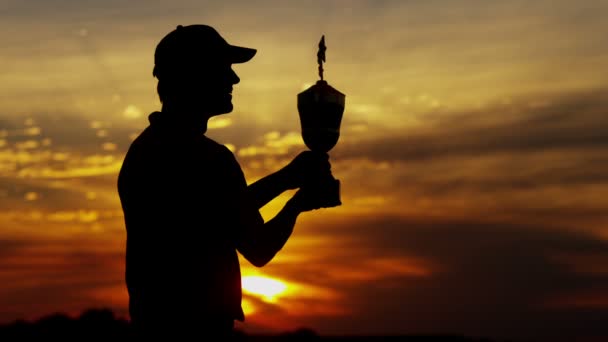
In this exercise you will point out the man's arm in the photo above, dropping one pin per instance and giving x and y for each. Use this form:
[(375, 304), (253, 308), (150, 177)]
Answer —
[(260, 242), (266, 189)]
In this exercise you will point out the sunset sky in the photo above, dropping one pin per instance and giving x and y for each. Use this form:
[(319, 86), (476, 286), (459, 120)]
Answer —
[(473, 159)]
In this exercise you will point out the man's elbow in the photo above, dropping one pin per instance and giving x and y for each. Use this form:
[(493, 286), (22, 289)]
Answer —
[(259, 262), (257, 258)]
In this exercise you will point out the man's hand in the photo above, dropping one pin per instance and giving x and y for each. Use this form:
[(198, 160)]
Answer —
[(306, 199), (316, 196), (307, 167)]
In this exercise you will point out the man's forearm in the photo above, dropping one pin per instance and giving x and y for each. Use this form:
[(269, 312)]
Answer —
[(266, 189), (262, 246), (279, 228)]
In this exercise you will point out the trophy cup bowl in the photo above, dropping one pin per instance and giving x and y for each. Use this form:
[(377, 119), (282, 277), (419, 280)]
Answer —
[(321, 108)]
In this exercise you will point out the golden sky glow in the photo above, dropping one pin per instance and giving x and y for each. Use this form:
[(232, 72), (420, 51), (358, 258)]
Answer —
[(269, 289), (473, 158)]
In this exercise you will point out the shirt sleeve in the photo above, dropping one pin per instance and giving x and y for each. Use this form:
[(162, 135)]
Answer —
[(248, 216)]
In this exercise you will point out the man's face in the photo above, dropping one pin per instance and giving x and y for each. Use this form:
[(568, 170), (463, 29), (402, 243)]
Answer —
[(208, 88)]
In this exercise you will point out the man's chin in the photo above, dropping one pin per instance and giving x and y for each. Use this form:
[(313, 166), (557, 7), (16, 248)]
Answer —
[(225, 109)]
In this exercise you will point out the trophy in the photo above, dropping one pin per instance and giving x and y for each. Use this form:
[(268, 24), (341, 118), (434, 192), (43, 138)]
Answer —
[(321, 108)]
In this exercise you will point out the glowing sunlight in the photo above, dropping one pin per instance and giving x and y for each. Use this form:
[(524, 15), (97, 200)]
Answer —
[(267, 288)]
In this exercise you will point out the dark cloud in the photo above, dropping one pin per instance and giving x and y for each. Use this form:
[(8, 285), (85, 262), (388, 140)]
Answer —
[(10, 246), (571, 176), (564, 122), (42, 277), (489, 279), (559, 144), (73, 131)]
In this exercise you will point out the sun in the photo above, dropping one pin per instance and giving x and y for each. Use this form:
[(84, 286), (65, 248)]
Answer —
[(265, 287)]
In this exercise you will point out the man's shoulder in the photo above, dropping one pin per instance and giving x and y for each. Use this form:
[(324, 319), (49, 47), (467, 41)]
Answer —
[(224, 157), (217, 147), (143, 141)]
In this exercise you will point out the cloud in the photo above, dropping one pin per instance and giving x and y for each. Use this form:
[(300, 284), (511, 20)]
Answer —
[(64, 147), (571, 121), (67, 133), (511, 159), (42, 277), (274, 144), (485, 279)]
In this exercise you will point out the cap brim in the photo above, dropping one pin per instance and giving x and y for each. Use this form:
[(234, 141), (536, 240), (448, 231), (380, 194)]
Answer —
[(239, 54)]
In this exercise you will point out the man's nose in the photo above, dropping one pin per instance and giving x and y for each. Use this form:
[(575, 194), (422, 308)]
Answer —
[(234, 77)]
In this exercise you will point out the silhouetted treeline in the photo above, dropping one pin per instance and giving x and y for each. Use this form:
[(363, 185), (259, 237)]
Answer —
[(103, 325), (93, 324)]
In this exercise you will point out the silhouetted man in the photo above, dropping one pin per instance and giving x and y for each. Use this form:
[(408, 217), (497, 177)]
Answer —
[(187, 206)]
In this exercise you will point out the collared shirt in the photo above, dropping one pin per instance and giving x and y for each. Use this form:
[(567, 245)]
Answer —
[(182, 194)]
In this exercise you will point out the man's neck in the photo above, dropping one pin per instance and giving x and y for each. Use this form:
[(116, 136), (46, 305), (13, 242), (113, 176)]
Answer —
[(183, 115)]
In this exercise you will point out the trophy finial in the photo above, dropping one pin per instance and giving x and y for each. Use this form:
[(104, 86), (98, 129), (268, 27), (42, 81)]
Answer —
[(321, 56)]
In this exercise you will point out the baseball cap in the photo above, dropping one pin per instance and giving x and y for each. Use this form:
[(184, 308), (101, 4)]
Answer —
[(190, 45)]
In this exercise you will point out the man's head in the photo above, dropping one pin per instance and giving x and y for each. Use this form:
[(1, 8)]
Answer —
[(193, 65)]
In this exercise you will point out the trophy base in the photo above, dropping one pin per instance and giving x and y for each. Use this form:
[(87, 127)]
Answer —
[(333, 194), (327, 192)]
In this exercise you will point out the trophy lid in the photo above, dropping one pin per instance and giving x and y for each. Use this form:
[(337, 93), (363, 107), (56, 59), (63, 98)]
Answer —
[(322, 91)]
